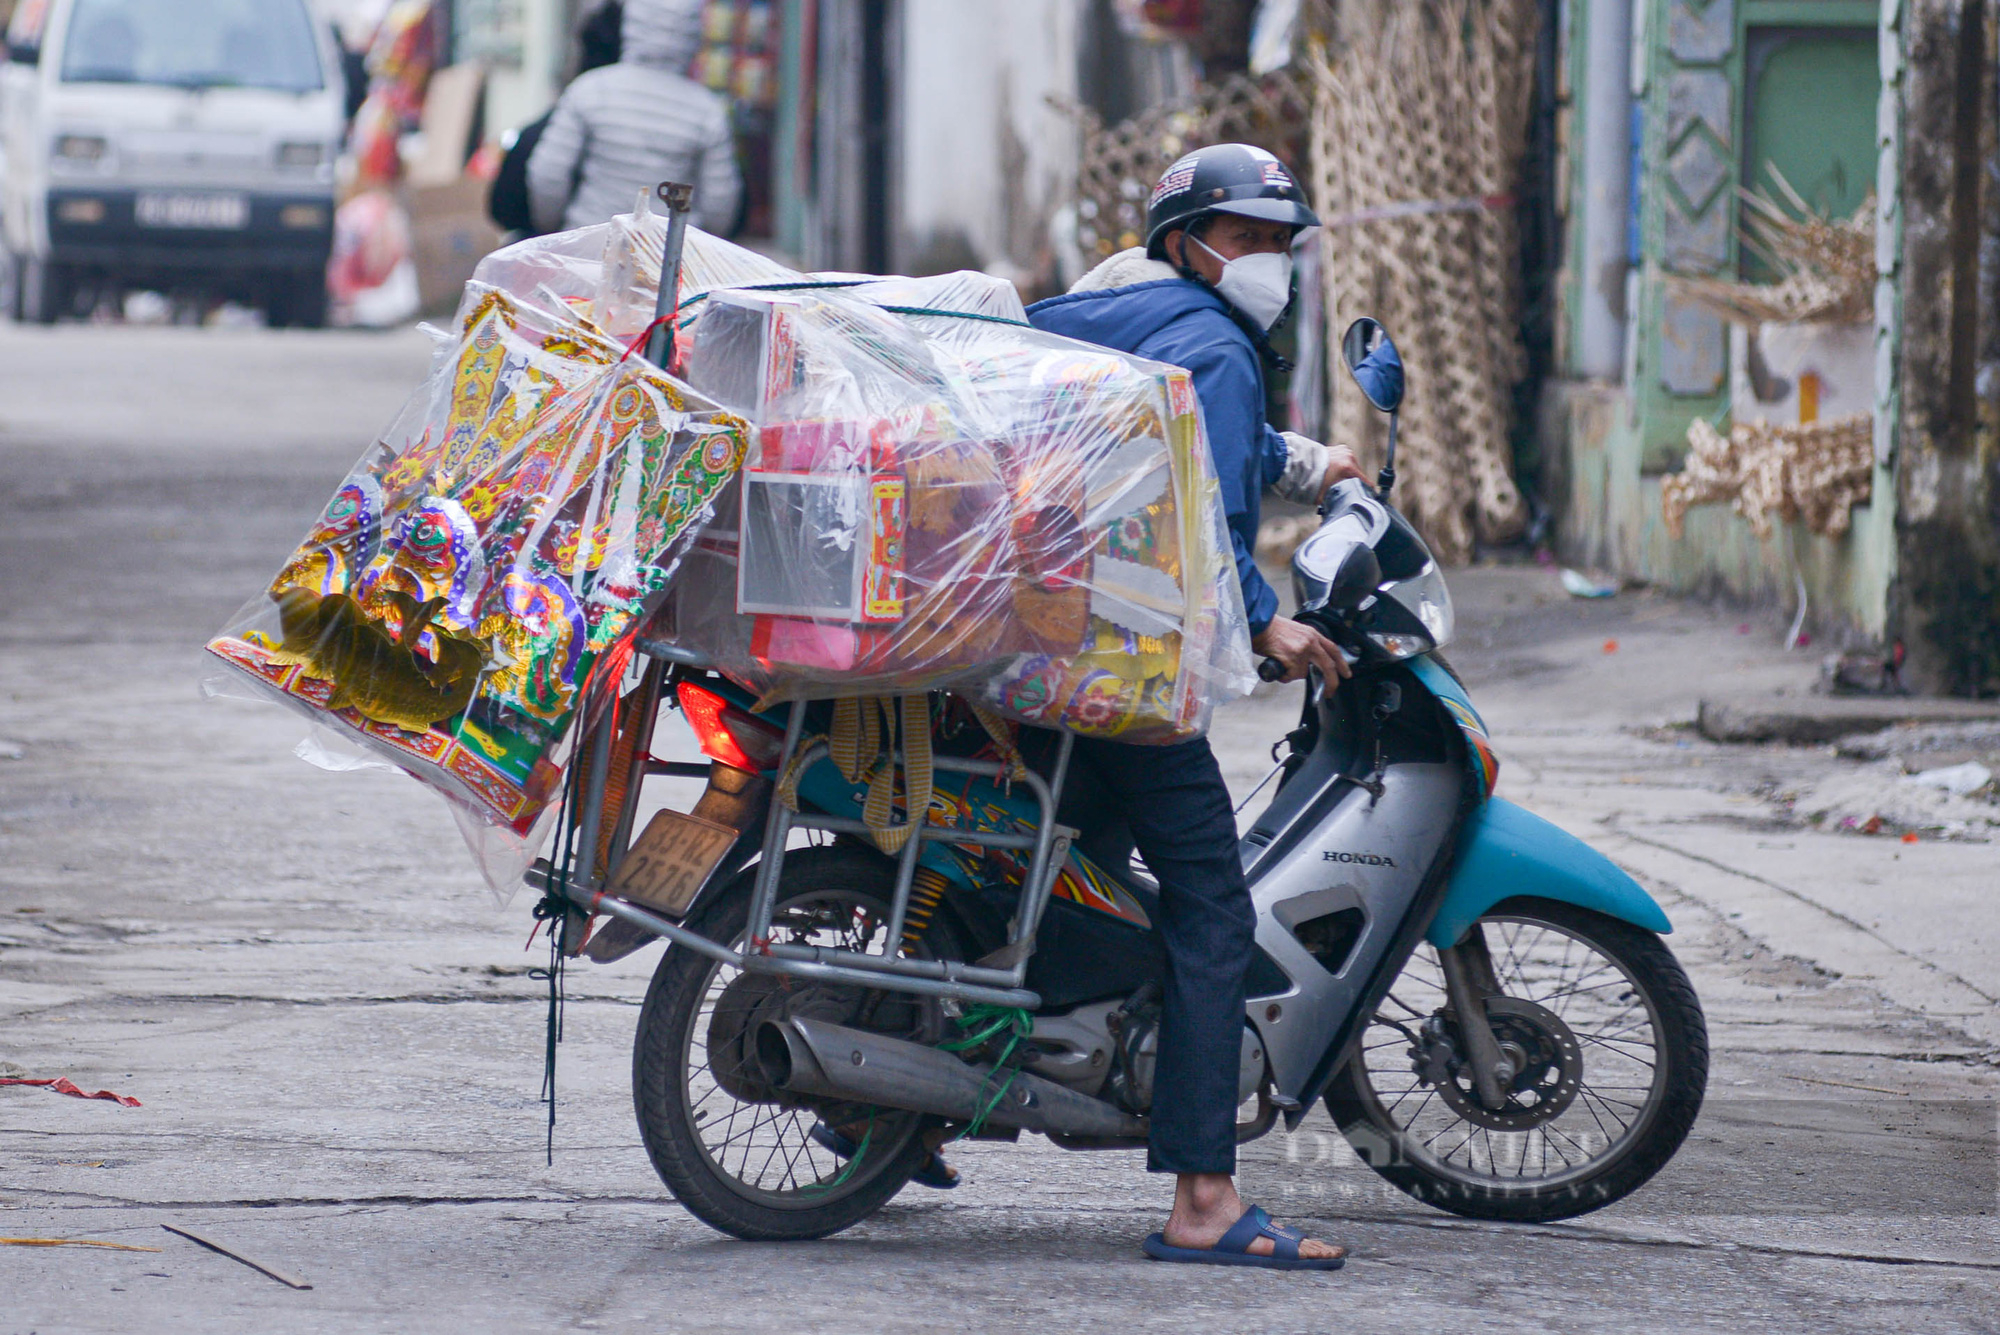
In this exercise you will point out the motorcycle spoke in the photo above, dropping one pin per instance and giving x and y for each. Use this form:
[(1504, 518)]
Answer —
[(1618, 1035), (1569, 994), (1421, 1105), (1609, 1045), (1610, 1136), (1470, 1132), (1549, 1133), (1567, 976), (778, 1143), (1589, 1092), (1414, 1012)]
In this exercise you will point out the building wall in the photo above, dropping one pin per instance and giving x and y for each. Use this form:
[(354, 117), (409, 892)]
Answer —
[(1611, 439), (1609, 516), (524, 45), (984, 160)]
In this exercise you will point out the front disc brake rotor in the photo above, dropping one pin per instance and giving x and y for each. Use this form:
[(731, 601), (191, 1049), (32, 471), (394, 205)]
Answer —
[(1548, 1068)]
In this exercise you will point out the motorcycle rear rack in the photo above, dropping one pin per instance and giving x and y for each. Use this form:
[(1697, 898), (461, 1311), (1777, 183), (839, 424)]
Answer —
[(998, 980), (953, 979)]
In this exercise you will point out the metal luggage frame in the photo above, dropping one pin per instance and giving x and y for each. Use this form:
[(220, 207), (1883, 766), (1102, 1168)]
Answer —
[(997, 979)]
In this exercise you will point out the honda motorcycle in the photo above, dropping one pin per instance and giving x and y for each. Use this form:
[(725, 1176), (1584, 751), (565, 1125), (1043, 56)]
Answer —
[(1483, 1003)]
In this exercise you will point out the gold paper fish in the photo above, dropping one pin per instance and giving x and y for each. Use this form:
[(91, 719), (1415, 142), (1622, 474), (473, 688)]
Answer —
[(379, 674)]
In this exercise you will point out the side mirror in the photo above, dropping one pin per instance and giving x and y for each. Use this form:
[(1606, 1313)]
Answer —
[(1373, 361), (24, 53)]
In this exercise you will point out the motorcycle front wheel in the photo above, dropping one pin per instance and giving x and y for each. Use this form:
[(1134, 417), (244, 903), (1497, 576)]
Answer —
[(1611, 1052)]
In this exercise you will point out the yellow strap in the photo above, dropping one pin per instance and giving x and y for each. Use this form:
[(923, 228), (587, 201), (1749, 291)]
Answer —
[(788, 782), (863, 746), (1002, 733), (854, 743), (878, 811)]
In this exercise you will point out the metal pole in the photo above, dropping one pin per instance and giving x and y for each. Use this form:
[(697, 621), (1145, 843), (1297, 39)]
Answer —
[(679, 199), (1605, 194), (597, 769), (1386, 479), (647, 700), (777, 828), (906, 876)]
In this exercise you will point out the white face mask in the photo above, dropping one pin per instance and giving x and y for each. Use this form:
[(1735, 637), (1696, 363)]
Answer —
[(1258, 285)]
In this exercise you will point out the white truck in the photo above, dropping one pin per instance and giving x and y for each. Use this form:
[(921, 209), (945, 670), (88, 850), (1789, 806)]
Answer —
[(178, 145)]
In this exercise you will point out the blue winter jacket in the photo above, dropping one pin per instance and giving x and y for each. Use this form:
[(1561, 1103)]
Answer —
[(1184, 324)]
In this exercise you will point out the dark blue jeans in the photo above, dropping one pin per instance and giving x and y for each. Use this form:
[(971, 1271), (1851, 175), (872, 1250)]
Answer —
[(1175, 810)]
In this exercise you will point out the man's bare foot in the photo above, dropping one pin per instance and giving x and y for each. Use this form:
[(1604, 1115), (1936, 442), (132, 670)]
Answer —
[(1206, 1206)]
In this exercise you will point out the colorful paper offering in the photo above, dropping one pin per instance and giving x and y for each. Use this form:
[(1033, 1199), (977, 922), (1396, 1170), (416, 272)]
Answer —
[(448, 607), (1040, 516)]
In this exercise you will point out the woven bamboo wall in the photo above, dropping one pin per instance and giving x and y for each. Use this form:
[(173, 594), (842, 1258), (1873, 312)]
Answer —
[(1119, 164), (1425, 102)]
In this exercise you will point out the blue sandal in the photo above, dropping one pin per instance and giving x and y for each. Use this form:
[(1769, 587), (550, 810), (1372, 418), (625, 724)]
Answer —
[(1233, 1247), (935, 1172)]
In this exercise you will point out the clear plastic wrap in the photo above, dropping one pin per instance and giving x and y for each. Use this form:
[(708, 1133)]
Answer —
[(940, 496), (498, 543), (875, 486)]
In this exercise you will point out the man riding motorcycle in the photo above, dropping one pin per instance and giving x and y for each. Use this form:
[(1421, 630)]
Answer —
[(1212, 281)]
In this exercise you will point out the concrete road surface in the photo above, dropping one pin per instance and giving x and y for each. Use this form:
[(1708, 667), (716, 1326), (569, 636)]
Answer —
[(337, 1045)]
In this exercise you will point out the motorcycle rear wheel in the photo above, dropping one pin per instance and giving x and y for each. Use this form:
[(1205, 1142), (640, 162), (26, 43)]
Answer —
[(740, 1156), (1616, 1069)]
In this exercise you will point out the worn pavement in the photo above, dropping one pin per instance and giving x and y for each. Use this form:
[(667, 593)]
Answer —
[(338, 1046)]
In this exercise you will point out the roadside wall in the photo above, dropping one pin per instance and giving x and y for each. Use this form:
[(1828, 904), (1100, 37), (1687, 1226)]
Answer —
[(1946, 607), (984, 159), (1609, 516)]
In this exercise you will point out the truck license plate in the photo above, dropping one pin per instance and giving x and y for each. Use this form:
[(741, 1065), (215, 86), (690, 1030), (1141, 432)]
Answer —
[(220, 212)]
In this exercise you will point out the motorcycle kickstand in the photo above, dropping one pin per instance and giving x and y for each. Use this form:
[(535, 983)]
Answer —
[(1469, 981)]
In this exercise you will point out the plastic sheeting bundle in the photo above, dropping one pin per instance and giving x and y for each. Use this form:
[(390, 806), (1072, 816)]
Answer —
[(940, 496), (932, 495), (446, 610)]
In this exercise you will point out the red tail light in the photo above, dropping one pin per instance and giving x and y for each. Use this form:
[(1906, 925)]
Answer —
[(728, 734)]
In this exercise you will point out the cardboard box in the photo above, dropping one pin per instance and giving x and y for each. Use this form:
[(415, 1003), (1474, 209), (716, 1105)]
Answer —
[(449, 234)]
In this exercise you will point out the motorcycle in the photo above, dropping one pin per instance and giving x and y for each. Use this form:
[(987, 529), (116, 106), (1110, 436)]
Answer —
[(1483, 1004)]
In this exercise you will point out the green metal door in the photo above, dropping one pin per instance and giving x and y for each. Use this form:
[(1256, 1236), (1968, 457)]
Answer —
[(1809, 110)]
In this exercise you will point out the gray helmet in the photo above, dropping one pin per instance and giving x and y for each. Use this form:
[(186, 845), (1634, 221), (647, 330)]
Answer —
[(1224, 178)]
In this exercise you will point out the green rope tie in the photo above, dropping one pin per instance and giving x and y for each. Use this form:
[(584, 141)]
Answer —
[(853, 1161), (988, 1022), (957, 315)]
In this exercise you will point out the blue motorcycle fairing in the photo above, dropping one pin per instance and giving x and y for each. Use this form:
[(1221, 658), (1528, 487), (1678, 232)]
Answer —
[(1506, 851)]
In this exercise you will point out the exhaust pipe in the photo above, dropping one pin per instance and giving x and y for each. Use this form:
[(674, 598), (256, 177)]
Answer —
[(833, 1061)]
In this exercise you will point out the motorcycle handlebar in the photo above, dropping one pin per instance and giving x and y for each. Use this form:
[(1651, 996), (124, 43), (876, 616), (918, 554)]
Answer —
[(1350, 646)]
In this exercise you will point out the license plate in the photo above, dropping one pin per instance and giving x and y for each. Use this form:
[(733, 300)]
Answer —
[(669, 862), (219, 212)]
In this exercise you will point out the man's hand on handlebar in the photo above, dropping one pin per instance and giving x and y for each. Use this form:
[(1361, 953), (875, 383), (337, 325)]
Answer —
[(1299, 647), (1340, 465)]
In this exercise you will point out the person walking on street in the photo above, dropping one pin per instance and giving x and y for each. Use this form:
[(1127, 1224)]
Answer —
[(626, 127), (507, 201), (1213, 279)]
